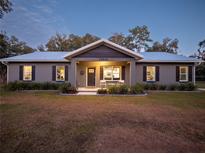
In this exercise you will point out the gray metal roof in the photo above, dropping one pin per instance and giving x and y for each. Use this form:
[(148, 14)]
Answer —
[(39, 56), (165, 57), (56, 56)]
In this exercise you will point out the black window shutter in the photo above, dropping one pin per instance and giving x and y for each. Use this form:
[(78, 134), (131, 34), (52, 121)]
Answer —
[(101, 72), (190, 73), (144, 73), (20, 72), (177, 73), (157, 73), (33, 73), (123, 72), (66, 73), (54, 73)]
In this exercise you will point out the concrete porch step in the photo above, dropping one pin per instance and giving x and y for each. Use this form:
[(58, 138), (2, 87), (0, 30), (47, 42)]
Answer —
[(87, 89), (87, 93)]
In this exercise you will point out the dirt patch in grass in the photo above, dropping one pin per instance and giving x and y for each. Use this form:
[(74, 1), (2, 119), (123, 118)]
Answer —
[(123, 139), (47, 122)]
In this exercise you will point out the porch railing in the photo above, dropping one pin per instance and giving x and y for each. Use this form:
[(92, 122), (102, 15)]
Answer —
[(106, 83)]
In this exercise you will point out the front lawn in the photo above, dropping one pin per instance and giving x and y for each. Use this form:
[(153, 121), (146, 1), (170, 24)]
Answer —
[(48, 122), (200, 84)]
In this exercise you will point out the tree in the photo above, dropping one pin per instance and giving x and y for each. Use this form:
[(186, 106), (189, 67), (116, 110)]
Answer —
[(11, 46), (201, 50), (57, 43), (62, 42), (5, 7), (41, 48), (167, 45), (88, 38), (118, 38), (200, 54), (137, 38), (17, 47)]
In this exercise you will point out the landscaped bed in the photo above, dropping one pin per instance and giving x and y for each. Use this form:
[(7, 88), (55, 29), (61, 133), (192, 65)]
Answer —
[(48, 122), (141, 89), (115, 90)]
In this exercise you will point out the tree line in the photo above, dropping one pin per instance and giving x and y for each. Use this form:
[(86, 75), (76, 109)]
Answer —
[(138, 39)]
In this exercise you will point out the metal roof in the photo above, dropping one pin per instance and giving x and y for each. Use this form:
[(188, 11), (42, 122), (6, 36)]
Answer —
[(56, 56), (165, 57), (39, 56)]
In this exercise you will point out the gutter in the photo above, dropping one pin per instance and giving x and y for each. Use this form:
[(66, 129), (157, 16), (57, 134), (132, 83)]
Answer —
[(197, 64), (4, 63)]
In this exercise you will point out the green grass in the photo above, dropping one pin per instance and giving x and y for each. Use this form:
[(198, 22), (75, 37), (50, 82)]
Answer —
[(200, 84)]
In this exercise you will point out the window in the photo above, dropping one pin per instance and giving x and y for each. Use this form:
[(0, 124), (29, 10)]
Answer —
[(183, 73), (27, 73), (151, 71), (111, 73), (60, 73), (107, 73), (116, 73)]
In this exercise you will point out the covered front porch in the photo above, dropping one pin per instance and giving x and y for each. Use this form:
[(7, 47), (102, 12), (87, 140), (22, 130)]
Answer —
[(102, 63), (101, 74)]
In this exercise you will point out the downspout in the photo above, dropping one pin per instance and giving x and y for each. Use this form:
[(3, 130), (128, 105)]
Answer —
[(7, 71)]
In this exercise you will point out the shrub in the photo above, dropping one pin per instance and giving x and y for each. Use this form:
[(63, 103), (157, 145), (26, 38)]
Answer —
[(13, 86), (113, 90), (153, 86), (24, 86), (64, 88), (123, 89), (72, 90), (146, 86), (150, 86), (49, 86), (181, 87), (172, 87), (137, 89), (67, 88), (186, 87), (36, 86), (118, 89), (162, 87), (102, 91), (190, 87)]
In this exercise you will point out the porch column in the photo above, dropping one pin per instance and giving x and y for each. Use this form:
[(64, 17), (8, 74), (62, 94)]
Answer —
[(133, 73), (73, 72)]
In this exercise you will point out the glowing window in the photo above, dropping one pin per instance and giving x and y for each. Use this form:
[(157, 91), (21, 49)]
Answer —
[(183, 73), (111, 73), (27, 73), (151, 71), (60, 73), (116, 73)]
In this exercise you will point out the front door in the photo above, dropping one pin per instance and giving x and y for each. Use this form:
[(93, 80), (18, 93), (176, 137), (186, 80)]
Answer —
[(91, 77)]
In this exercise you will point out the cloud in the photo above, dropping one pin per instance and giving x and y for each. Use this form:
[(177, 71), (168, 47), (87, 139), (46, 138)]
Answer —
[(33, 21)]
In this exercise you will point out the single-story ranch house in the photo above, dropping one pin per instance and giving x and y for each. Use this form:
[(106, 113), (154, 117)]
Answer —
[(99, 64)]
